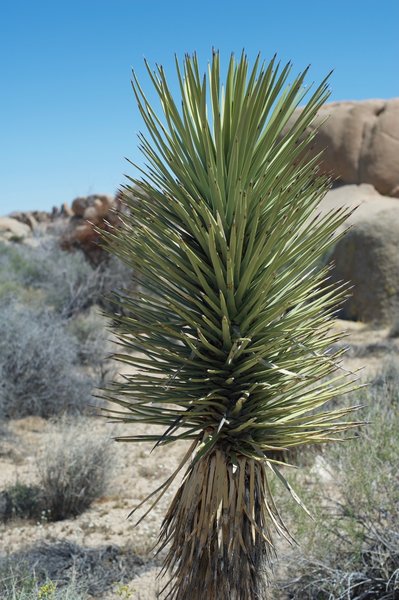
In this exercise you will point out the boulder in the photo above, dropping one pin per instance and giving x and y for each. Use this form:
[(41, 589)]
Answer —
[(79, 205), (31, 221), (12, 229), (90, 213), (28, 218), (360, 143), (42, 216), (103, 204), (367, 256), (66, 210)]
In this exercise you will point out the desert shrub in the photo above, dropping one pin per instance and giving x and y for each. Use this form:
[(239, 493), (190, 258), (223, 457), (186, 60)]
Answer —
[(21, 500), (94, 345), (385, 385), (394, 330), (11, 288), (75, 570), (116, 276), (74, 469), (351, 551), (68, 282), (89, 331), (16, 263), (72, 472), (39, 374), (67, 279)]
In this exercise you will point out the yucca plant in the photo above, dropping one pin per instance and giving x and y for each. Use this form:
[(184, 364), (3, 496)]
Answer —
[(229, 331)]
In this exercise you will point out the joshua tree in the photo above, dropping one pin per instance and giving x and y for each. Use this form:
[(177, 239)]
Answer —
[(229, 331)]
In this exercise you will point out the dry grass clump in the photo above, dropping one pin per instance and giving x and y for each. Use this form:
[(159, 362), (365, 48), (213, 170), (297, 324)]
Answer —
[(72, 571)]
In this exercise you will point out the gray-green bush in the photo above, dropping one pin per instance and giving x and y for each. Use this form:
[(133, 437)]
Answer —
[(39, 371), (89, 330), (73, 471), (74, 468), (66, 280)]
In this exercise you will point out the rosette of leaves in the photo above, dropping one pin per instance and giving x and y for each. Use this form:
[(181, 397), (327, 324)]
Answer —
[(229, 329)]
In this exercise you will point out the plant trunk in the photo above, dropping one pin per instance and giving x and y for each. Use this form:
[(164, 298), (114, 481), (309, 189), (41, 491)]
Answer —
[(218, 528)]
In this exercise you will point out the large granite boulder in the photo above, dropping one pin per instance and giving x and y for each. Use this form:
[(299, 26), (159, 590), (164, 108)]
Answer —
[(360, 143), (367, 256)]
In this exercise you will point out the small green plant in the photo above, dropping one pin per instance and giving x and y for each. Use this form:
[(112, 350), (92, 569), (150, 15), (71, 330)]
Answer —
[(124, 591), (47, 591), (17, 583), (22, 501), (229, 329)]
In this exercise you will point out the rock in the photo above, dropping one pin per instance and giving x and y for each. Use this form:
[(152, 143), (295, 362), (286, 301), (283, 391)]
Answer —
[(90, 214), (31, 221), (66, 210), (11, 229), (79, 205), (360, 143), (83, 234), (28, 218), (367, 256), (42, 216), (103, 205), (363, 200)]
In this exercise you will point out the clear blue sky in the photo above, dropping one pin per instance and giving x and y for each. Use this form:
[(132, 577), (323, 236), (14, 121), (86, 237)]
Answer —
[(67, 112)]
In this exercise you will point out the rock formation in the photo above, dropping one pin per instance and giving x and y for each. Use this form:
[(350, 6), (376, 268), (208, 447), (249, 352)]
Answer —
[(360, 143), (12, 229), (90, 213), (77, 226)]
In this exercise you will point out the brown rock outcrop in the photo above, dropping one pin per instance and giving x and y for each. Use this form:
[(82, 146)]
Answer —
[(90, 214)]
